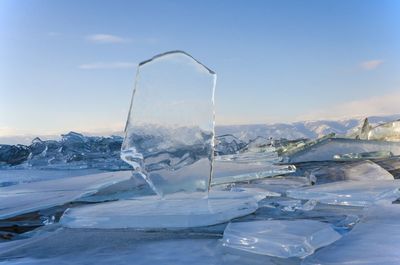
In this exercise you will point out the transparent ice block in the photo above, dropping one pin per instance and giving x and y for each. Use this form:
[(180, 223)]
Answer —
[(169, 134)]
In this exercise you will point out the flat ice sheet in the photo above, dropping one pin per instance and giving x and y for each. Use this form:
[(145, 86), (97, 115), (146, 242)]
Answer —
[(9, 177), (29, 197), (352, 193), (175, 211), (279, 238), (375, 240), (123, 247)]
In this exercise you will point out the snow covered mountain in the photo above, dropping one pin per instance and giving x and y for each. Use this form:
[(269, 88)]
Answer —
[(303, 129)]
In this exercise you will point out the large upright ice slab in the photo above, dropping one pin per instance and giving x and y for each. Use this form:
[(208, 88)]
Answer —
[(352, 193), (375, 240), (279, 238), (178, 211), (327, 149), (29, 197), (169, 133)]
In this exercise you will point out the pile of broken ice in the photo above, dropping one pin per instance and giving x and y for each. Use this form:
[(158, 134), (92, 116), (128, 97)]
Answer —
[(327, 201)]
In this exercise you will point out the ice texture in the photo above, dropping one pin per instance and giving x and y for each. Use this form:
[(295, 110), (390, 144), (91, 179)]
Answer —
[(326, 149), (124, 247), (169, 134), (375, 240), (178, 211), (361, 170), (362, 156), (73, 151), (353, 193), (29, 197), (279, 238), (385, 132), (247, 166)]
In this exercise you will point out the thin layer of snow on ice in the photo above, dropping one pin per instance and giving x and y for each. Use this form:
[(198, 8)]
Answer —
[(176, 211), (30, 197), (279, 238)]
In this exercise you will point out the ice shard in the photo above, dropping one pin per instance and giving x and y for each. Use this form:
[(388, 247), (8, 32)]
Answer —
[(385, 132), (328, 148), (350, 193), (279, 238), (361, 170), (169, 133)]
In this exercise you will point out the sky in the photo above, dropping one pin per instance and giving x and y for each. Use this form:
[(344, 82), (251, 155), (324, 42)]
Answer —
[(70, 65)]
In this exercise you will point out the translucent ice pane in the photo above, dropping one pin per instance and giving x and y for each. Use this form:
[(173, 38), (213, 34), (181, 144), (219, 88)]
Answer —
[(279, 238), (169, 133)]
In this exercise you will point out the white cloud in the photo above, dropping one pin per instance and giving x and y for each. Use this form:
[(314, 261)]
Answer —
[(371, 65), (108, 65), (105, 38), (379, 105)]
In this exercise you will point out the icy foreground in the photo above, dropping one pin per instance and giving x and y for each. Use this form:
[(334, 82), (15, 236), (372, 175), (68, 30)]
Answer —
[(30, 197), (176, 211), (373, 241), (352, 193), (279, 238)]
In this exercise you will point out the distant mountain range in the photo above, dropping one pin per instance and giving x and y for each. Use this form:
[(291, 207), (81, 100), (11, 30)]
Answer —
[(303, 129), (290, 131)]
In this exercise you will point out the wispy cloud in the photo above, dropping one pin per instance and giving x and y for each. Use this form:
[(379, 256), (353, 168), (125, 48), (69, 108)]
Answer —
[(371, 65), (379, 105), (106, 38), (108, 65)]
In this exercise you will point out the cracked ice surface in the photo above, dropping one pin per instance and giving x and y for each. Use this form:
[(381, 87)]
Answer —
[(279, 238)]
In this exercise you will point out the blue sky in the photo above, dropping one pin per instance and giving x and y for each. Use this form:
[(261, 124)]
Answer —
[(70, 65)]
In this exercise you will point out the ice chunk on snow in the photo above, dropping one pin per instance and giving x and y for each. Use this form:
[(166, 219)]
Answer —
[(375, 240), (171, 145), (178, 211), (326, 150), (352, 193), (279, 238), (24, 198)]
